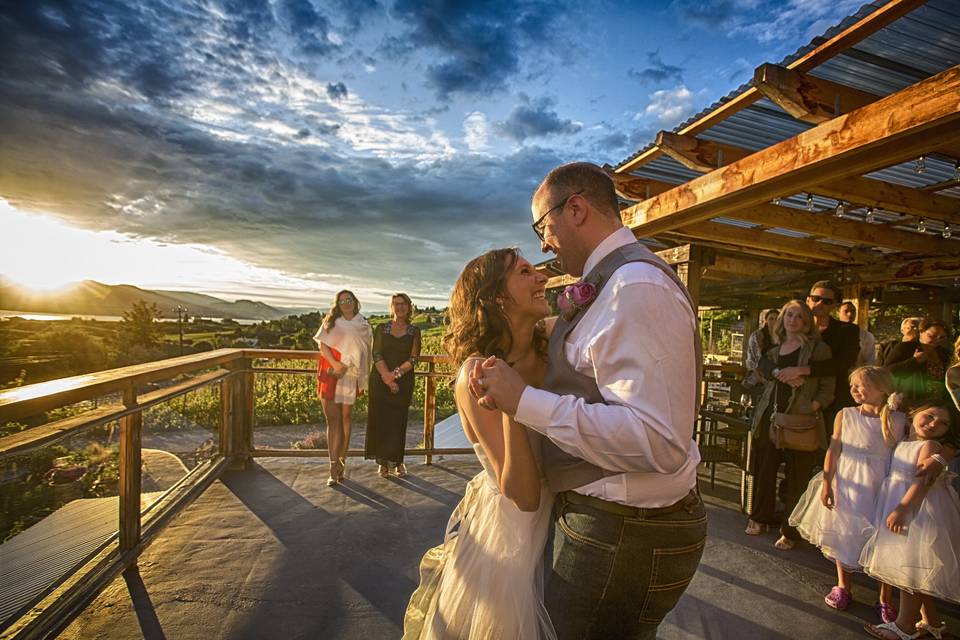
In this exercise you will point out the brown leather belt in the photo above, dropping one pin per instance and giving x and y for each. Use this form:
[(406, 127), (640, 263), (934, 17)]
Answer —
[(573, 497)]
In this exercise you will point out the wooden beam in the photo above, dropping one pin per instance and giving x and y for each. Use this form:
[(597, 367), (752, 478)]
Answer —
[(673, 256), (888, 13), (731, 246), (830, 226), (746, 268), (903, 272), (699, 155), (801, 248), (806, 97), (880, 134), (632, 187), (892, 197)]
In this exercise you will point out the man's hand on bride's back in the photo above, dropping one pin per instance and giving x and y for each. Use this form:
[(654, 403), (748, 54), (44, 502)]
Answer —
[(497, 385)]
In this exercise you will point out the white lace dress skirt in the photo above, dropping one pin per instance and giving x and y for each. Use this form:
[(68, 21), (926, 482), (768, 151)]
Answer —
[(926, 559), (841, 532), (486, 580)]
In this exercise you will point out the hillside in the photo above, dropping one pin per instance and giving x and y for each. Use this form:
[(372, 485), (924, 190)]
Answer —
[(94, 298)]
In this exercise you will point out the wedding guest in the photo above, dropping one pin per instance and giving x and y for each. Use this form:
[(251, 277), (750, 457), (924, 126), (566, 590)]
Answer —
[(798, 344), (758, 344), (344, 341), (909, 330), (843, 339), (919, 366), (396, 346), (868, 343)]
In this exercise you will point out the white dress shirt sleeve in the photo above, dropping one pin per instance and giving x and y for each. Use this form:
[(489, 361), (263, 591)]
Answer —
[(640, 350)]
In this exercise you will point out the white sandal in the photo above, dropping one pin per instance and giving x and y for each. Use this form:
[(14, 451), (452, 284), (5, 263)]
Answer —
[(892, 627), (924, 629)]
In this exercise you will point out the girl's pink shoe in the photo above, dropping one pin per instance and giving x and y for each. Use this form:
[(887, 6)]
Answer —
[(838, 598)]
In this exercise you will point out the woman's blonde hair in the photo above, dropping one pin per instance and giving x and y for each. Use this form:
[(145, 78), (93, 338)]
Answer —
[(780, 333), (477, 321), (406, 299), (881, 380)]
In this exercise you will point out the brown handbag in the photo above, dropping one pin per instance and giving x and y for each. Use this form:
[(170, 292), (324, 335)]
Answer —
[(795, 432)]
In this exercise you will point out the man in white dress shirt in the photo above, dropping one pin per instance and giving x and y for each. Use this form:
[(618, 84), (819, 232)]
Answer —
[(617, 410)]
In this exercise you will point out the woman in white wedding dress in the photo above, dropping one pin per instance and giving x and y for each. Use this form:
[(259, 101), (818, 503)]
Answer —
[(485, 580)]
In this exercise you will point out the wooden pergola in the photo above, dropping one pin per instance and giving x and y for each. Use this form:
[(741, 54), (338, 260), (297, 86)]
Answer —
[(842, 162)]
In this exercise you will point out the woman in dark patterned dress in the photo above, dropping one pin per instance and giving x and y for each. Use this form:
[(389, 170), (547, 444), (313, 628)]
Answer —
[(396, 346)]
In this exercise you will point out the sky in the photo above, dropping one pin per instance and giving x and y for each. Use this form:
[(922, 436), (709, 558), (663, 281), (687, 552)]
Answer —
[(283, 150)]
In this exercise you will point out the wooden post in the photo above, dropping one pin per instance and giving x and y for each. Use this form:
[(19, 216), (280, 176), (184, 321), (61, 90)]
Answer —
[(429, 410), (237, 406), (130, 463), (690, 272)]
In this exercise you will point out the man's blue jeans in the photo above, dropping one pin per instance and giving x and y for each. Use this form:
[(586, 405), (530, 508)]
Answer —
[(617, 575)]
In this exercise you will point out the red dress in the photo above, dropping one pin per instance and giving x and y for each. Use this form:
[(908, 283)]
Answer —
[(326, 383)]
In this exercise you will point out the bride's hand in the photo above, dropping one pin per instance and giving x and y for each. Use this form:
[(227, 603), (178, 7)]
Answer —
[(501, 384)]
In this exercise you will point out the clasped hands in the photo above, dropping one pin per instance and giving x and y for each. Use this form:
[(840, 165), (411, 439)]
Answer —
[(390, 381), (496, 385), (790, 376)]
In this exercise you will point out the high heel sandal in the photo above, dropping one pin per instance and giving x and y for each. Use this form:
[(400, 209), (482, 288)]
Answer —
[(336, 476), (383, 471), (784, 543), (401, 470), (755, 528), (343, 469)]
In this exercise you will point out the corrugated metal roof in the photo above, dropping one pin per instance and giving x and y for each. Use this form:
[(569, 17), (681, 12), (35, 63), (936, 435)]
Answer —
[(919, 45)]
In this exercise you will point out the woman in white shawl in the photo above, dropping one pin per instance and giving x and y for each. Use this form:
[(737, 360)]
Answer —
[(345, 341)]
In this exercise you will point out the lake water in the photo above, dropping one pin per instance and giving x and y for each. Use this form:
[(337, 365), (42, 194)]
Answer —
[(33, 315)]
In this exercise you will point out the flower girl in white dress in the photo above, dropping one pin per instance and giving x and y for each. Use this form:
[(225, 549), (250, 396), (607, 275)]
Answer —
[(916, 545), (485, 580), (836, 512)]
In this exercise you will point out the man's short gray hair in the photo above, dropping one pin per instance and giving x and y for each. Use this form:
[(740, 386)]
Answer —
[(589, 179)]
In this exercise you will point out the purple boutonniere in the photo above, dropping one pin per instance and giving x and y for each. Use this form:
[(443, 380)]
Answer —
[(575, 297)]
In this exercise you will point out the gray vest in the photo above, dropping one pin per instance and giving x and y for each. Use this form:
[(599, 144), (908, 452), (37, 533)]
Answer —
[(563, 470)]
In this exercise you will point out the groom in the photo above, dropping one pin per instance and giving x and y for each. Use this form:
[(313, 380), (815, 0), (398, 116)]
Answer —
[(617, 410)]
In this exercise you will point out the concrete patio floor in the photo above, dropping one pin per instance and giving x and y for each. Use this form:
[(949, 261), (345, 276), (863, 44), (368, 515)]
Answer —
[(272, 552)]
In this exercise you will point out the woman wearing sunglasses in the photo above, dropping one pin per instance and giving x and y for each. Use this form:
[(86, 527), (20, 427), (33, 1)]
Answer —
[(344, 339)]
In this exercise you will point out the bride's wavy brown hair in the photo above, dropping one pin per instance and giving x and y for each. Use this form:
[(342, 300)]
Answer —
[(477, 321)]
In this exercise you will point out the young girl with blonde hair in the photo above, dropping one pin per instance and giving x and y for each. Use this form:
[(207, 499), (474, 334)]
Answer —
[(837, 510)]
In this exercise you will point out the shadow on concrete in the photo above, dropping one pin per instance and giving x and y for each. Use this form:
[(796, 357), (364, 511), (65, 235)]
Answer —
[(146, 614)]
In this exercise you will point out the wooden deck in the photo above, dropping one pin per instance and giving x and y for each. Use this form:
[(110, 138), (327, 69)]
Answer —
[(273, 553)]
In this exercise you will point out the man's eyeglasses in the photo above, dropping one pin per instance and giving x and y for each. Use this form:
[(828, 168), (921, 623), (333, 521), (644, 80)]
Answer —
[(345, 301), (540, 223), (817, 299)]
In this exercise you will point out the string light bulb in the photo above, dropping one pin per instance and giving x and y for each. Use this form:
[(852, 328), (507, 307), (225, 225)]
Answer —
[(871, 217), (921, 164), (922, 225), (947, 232), (776, 200), (841, 209), (810, 198)]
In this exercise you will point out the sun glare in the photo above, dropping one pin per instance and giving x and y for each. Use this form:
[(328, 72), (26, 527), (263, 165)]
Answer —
[(43, 253)]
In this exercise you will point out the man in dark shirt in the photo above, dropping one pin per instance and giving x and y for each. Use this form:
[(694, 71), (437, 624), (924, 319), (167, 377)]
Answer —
[(843, 338)]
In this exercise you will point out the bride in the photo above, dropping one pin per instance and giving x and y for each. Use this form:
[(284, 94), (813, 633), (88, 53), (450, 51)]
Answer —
[(485, 580)]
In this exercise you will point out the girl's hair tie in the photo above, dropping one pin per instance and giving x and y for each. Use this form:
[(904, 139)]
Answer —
[(894, 400)]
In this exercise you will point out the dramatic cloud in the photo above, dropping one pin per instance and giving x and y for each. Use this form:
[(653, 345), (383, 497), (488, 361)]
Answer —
[(765, 21), (337, 90), (476, 131), (669, 107), (657, 71), (479, 44), (535, 119)]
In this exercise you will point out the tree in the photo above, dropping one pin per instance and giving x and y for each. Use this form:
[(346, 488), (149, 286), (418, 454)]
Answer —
[(139, 325)]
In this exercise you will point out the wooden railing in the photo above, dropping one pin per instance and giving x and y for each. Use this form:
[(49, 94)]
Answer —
[(234, 370)]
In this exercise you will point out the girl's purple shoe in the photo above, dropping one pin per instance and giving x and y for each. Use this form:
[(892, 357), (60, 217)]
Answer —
[(838, 598)]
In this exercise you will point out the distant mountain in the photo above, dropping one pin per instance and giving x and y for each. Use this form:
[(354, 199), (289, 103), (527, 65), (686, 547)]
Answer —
[(95, 298)]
